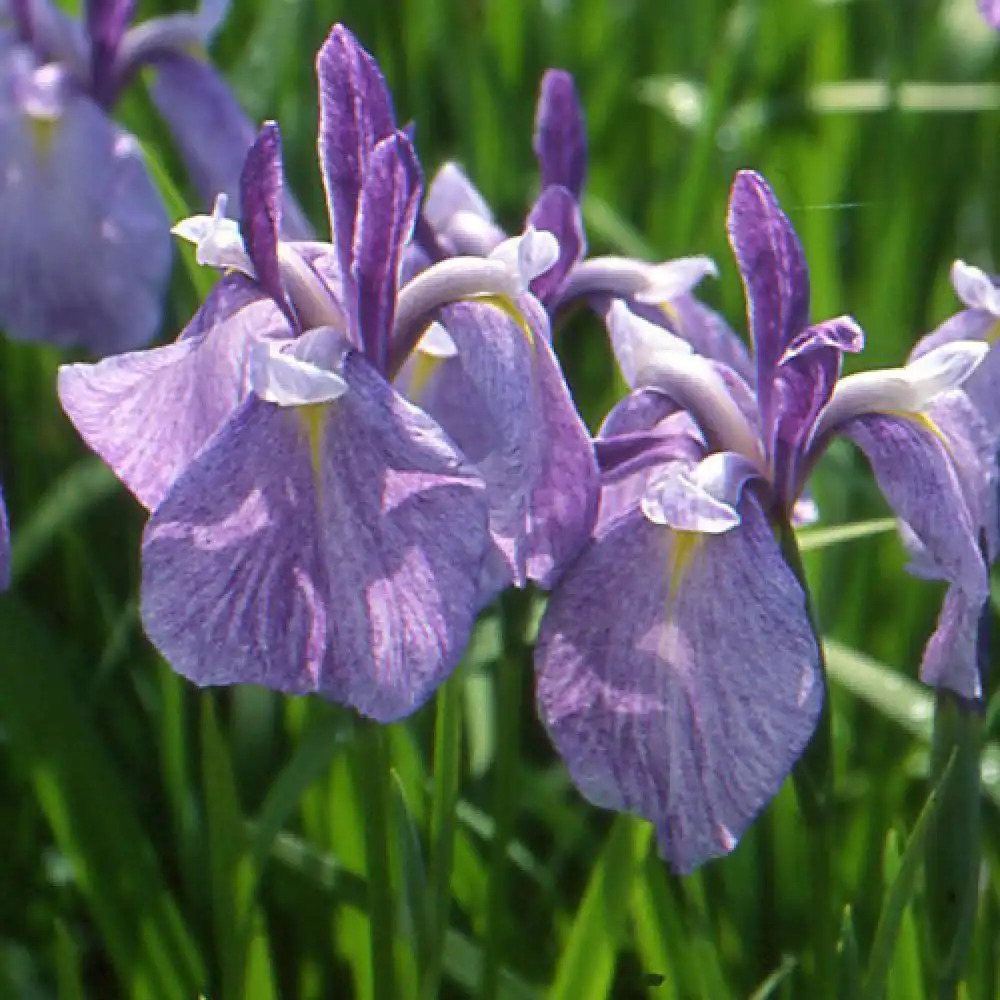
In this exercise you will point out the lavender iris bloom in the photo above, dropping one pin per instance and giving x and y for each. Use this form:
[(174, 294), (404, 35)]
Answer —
[(85, 246), (990, 9), (310, 529), (458, 220), (678, 672)]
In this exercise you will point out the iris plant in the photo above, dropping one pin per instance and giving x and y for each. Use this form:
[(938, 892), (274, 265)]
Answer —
[(310, 528), (679, 673), (85, 245)]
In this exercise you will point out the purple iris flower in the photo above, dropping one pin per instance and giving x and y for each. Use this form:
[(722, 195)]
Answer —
[(990, 9), (678, 672), (458, 220), (311, 529), (85, 246)]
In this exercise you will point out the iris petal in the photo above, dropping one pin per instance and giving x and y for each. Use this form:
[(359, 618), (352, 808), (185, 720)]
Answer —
[(690, 709)]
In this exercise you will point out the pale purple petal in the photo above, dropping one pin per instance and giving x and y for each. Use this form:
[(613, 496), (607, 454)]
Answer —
[(84, 247), (355, 113), (558, 212), (680, 681), (148, 413), (336, 553), (212, 133), (386, 212), (775, 277), (916, 472), (458, 216), (560, 141), (640, 410), (955, 656), (564, 496)]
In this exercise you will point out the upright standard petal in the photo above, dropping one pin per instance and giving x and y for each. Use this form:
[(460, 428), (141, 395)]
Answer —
[(84, 246), (775, 276), (355, 114), (560, 133), (386, 212), (333, 550), (261, 189), (148, 413), (691, 706), (459, 216), (107, 21)]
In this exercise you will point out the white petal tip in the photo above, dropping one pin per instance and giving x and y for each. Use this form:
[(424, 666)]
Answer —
[(277, 376)]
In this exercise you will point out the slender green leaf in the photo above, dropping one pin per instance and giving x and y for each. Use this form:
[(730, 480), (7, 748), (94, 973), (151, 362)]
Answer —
[(821, 538)]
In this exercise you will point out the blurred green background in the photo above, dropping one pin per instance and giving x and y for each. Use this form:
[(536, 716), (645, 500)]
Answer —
[(160, 842)]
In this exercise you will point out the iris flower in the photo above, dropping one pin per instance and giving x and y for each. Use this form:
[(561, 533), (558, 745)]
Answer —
[(311, 529), (458, 220), (678, 670), (85, 244), (4, 545)]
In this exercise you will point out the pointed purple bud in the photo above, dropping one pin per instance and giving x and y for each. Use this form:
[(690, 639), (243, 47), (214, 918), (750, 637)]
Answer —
[(261, 187), (560, 134), (355, 113), (107, 21), (386, 212)]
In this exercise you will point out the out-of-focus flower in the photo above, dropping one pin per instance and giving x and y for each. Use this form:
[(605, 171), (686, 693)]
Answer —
[(459, 220), (990, 9), (678, 671), (4, 544), (85, 245), (310, 528)]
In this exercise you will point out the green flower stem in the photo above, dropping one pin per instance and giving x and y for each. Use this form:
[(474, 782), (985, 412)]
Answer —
[(510, 671), (374, 786), (953, 840), (813, 778), (447, 777)]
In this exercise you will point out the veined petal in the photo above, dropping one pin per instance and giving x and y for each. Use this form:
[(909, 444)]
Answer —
[(148, 413), (386, 212), (261, 187), (691, 706), (560, 141), (975, 287), (956, 653), (355, 115), (84, 246), (335, 551), (702, 497), (775, 277), (910, 389), (300, 371), (916, 472)]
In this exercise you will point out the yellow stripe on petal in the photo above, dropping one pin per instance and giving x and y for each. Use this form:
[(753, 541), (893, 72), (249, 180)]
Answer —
[(682, 551), (313, 416), (507, 305)]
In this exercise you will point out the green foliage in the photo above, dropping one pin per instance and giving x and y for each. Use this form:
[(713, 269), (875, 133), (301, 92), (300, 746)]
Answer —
[(157, 841)]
